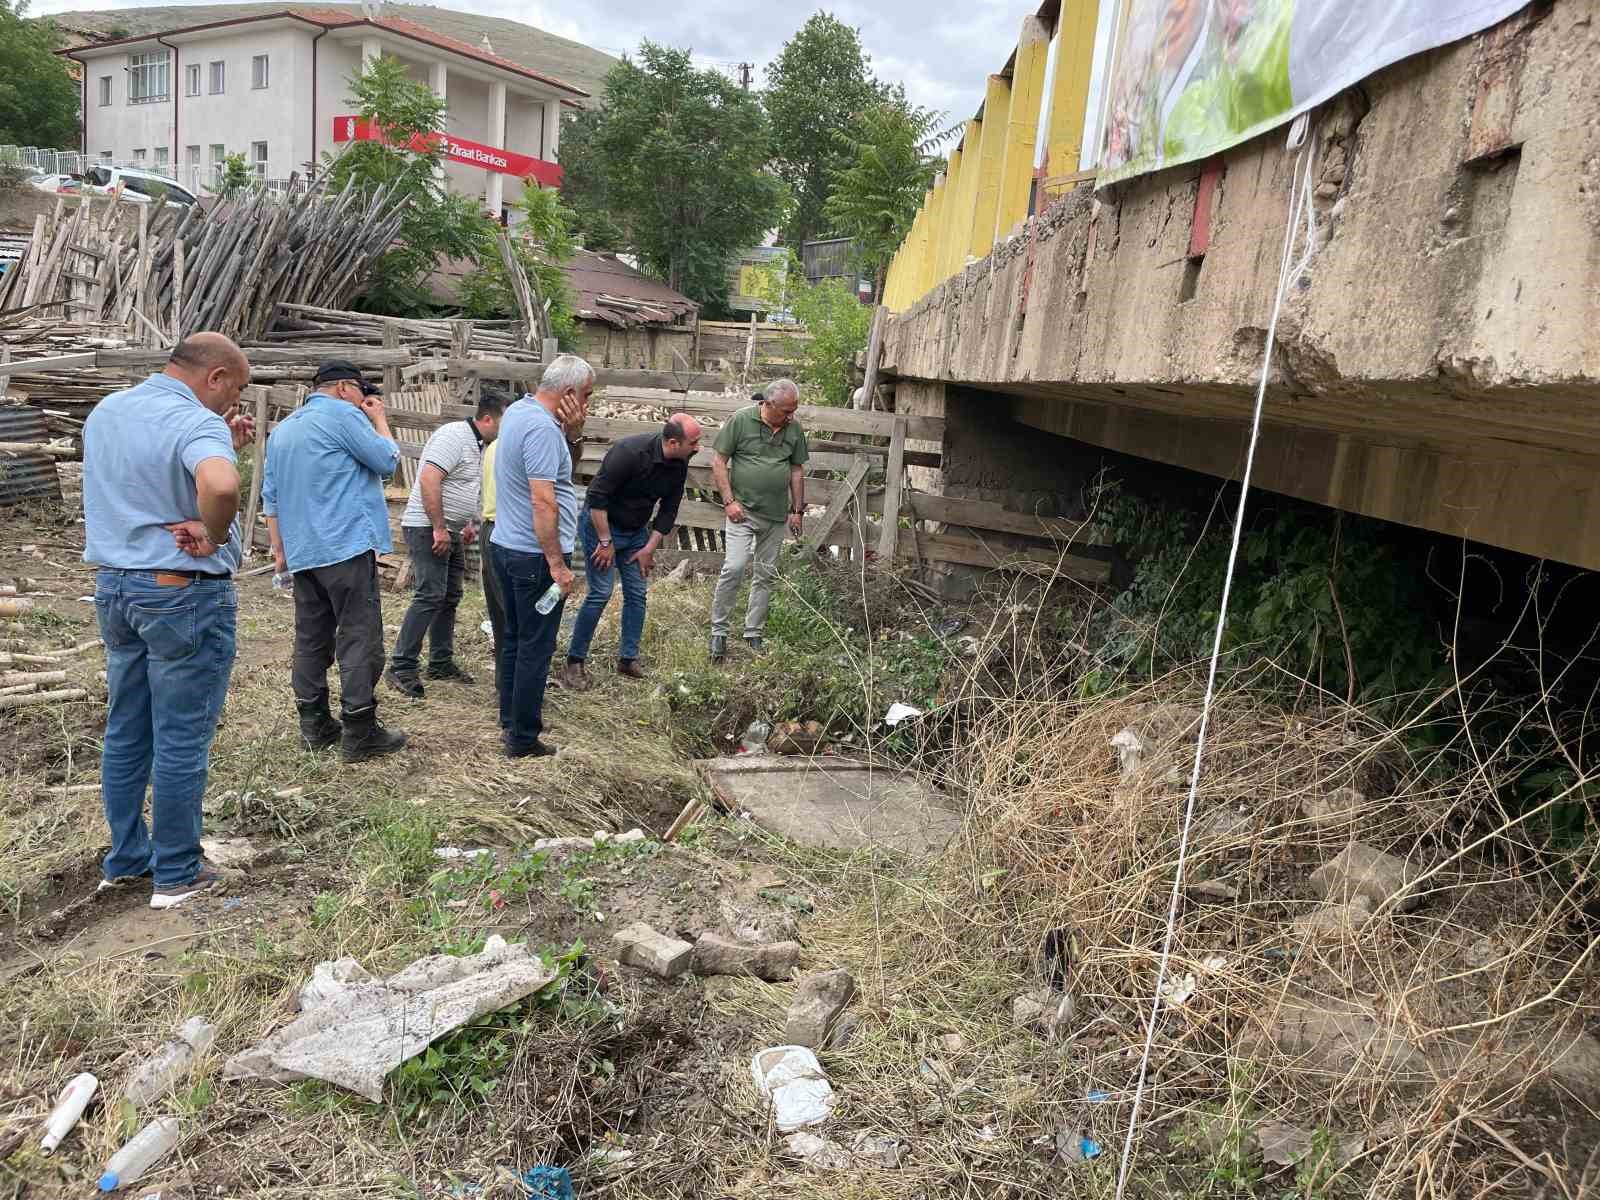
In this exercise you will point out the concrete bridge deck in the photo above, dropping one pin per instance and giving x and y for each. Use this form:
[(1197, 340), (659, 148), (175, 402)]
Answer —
[(1439, 359)]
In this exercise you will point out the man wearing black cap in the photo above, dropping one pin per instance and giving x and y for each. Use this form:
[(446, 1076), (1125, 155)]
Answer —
[(322, 494)]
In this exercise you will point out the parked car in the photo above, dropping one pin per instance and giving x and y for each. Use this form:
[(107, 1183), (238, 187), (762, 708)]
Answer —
[(142, 187), (55, 183)]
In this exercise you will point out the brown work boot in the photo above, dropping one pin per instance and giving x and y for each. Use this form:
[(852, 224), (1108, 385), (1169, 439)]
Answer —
[(630, 667), (574, 677)]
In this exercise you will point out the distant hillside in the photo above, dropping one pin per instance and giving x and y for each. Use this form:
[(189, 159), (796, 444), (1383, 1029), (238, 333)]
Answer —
[(535, 49)]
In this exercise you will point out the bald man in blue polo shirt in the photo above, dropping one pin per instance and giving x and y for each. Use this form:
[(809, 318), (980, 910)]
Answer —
[(160, 493)]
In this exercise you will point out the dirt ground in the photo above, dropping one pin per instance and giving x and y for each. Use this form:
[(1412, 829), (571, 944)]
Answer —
[(642, 1087)]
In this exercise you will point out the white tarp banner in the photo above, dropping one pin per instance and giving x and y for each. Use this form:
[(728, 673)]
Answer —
[(1194, 77)]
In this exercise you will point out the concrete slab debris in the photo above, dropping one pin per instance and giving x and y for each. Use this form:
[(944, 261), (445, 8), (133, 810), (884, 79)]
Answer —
[(665, 957), (1360, 870), (836, 803), (818, 1002), (717, 955), (353, 1034)]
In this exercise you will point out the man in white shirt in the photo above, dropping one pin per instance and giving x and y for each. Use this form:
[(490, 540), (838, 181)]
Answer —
[(440, 521)]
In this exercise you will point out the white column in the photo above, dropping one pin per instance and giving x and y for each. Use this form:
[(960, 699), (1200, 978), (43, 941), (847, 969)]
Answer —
[(369, 51), (439, 84), (552, 129), (494, 182)]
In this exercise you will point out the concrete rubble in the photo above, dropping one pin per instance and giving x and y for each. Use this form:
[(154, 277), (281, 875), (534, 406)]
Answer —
[(819, 1000), (1363, 871), (354, 1029), (1338, 808), (772, 961), (638, 945), (1335, 920)]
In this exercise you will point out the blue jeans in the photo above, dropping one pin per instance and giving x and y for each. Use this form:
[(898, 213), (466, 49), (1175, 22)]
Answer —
[(523, 655), (169, 651), (624, 542)]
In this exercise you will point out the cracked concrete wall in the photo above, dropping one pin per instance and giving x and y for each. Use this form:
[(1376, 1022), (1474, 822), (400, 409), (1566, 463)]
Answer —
[(1437, 359)]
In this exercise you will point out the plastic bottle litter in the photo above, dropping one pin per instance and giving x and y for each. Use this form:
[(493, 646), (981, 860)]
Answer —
[(548, 1183), (549, 600), (755, 737), (75, 1098), (143, 1151), (171, 1061)]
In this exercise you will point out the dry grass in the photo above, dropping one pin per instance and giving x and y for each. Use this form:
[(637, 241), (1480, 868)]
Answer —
[(1485, 978)]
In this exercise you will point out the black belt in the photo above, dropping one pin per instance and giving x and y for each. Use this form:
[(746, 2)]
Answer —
[(199, 574)]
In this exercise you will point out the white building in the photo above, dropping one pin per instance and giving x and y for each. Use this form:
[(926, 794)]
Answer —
[(275, 87)]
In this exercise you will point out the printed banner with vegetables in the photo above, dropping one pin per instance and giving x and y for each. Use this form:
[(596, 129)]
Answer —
[(1193, 77)]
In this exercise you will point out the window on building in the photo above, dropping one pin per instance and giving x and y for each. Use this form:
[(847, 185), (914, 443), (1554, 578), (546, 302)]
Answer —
[(105, 90), (258, 158), (219, 156), (147, 77), (191, 80), (138, 156), (218, 77), (191, 164), (191, 155), (105, 156), (161, 159), (258, 71)]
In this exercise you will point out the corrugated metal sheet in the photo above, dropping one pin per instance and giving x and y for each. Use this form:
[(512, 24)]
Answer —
[(25, 476)]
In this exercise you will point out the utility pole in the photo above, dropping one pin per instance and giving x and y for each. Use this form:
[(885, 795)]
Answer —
[(745, 72)]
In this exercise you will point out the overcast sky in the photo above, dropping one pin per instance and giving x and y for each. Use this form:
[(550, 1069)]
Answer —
[(942, 50)]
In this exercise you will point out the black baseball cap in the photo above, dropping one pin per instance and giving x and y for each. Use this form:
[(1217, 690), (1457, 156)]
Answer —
[(335, 369)]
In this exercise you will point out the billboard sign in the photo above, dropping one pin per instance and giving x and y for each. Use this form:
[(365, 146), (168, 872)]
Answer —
[(1191, 78), (461, 151)]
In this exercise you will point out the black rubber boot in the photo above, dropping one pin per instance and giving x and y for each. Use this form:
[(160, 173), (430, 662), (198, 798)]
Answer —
[(318, 729), (365, 737)]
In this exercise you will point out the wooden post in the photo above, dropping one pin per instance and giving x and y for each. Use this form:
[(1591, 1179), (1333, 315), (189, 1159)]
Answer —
[(548, 350), (177, 290), (874, 351), (258, 469), (5, 375), (749, 350), (891, 492), (391, 375), (836, 506)]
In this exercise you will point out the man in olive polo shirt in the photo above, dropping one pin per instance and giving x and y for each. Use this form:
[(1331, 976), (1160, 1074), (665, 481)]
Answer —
[(758, 463)]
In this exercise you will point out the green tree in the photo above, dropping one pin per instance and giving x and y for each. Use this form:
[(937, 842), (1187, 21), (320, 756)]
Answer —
[(679, 155), (236, 175), (542, 241), (875, 197), (38, 95), (592, 224), (438, 222), (838, 324), (817, 87)]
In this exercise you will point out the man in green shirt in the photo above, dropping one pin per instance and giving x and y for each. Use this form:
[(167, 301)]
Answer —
[(758, 462)]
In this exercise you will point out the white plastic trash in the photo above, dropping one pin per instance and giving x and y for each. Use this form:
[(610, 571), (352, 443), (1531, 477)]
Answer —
[(488, 631), (171, 1061), (143, 1151), (900, 712), (793, 1079), (75, 1098)]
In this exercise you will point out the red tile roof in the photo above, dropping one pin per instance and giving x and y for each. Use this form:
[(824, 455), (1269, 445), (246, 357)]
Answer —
[(334, 19)]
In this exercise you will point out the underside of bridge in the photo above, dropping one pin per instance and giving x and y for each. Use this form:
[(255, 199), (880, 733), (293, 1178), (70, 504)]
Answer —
[(1437, 361)]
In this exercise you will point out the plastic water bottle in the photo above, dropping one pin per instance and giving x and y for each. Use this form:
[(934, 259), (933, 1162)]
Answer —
[(143, 1151), (75, 1098), (549, 600), (171, 1061)]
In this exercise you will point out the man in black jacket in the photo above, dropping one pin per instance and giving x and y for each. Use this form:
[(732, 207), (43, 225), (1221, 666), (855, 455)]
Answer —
[(642, 475)]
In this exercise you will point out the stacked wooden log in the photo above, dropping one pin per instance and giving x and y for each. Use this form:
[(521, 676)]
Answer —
[(32, 675), (292, 323), (185, 269)]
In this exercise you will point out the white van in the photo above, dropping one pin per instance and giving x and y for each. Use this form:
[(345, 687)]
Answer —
[(142, 187)]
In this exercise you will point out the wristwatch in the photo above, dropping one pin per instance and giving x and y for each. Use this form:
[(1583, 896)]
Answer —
[(605, 541)]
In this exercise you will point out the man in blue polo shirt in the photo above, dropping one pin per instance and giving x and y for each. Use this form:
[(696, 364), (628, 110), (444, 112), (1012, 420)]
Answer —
[(160, 492), (535, 529), (323, 498)]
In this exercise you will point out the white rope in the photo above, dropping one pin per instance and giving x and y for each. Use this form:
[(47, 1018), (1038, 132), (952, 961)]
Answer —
[(1300, 205)]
